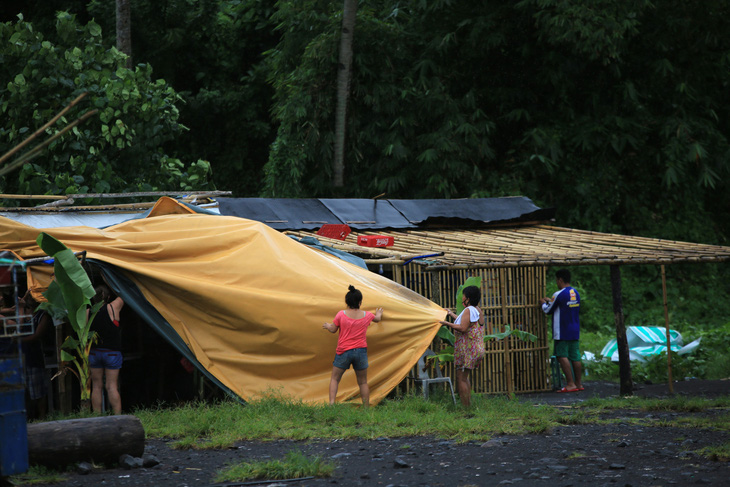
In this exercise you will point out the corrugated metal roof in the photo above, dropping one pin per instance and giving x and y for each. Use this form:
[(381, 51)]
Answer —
[(378, 214), (536, 245)]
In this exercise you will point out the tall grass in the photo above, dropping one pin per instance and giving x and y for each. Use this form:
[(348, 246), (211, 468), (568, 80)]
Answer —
[(200, 425)]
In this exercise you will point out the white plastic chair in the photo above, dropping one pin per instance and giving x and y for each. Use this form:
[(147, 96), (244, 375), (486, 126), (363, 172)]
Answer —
[(426, 380)]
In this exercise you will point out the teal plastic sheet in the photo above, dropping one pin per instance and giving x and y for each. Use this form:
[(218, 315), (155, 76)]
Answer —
[(645, 341)]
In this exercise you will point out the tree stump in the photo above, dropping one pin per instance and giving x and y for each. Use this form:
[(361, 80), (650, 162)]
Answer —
[(98, 440)]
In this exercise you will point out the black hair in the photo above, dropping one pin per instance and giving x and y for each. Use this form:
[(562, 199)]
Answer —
[(353, 298), (103, 293), (473, 294), (563, 274)]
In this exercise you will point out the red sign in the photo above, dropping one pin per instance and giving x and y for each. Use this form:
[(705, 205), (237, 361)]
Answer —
[(375, 241)]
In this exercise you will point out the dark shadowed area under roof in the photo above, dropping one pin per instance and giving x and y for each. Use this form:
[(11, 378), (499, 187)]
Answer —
[(369, 214)]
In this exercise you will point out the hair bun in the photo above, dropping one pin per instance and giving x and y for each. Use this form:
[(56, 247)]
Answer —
[(351, 288)]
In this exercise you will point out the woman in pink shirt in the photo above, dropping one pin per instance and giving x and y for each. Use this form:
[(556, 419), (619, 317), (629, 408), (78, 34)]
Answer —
[(352, 347)]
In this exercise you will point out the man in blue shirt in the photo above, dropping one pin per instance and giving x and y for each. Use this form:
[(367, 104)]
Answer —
[(564, 306)]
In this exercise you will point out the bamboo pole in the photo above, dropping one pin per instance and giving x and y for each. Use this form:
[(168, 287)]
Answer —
[(670, 383), (35, 134), (36, 151), (506, 349), (197, 194)]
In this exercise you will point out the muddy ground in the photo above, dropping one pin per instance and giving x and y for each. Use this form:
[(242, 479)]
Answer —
[(616, 454)]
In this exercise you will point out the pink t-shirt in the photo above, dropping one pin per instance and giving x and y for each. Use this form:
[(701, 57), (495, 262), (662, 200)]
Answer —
[(352, 332)]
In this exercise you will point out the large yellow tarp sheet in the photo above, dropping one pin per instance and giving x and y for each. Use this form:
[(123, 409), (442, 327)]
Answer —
[(249, 301)]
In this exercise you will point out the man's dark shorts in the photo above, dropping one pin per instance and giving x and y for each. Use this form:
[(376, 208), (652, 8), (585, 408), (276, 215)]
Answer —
[(567, 348)]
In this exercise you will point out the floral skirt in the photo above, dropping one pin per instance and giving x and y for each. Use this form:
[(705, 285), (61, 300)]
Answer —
[(469, 347)]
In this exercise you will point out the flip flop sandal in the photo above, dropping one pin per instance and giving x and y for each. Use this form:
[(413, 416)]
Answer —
[(567, 390)]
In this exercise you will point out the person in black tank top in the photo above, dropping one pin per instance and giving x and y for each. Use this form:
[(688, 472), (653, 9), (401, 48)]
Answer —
[(105, 357)]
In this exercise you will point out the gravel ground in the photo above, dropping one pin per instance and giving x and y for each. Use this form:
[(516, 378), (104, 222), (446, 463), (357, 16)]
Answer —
[(612, 454)]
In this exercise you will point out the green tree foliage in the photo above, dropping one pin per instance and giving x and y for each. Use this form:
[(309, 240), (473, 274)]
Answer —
[(410, 120), (209, 51), (614, 112), (121, 149)]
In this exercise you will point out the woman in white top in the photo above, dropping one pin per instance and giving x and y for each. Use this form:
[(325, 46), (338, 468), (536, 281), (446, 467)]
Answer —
[(469, 346)]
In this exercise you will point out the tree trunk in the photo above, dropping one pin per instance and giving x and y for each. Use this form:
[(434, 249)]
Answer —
[(343, 90), (99, 440), (124, 30), (624, 361)]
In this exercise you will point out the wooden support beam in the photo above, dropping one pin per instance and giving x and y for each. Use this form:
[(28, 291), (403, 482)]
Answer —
[(624, 362)]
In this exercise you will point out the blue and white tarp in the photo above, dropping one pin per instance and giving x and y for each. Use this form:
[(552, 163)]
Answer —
[(645, 341)]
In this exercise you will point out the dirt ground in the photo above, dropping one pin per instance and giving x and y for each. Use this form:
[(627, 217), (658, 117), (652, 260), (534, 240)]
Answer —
[(617, 454)]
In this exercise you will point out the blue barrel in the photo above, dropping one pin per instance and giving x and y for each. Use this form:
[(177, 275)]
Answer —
[(13, 428)]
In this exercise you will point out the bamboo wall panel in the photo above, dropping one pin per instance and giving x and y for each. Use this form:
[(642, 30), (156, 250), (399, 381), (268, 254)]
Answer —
[(510, 296)]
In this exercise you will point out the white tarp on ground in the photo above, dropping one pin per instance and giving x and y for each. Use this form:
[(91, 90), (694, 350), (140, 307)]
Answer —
[(645, 341)]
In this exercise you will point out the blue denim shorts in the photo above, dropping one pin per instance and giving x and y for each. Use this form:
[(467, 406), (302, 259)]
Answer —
[(358, 357), (100, 358)]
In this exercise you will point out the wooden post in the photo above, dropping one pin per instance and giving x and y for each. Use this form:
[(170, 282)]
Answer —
[(624, 362), (670, 382), (506, 350), (436, 287)]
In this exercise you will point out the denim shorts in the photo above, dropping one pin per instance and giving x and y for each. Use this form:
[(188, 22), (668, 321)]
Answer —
[(358, 357), (100, 358)]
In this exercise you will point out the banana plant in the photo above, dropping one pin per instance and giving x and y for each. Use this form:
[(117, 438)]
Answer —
[(68, 298), (447, 353), (445, 332)]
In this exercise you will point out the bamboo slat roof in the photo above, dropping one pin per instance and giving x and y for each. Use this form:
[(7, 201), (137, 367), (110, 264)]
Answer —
[(535, 245)]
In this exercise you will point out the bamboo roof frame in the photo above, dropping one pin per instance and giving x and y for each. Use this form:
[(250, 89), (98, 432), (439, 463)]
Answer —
[(534, 245)]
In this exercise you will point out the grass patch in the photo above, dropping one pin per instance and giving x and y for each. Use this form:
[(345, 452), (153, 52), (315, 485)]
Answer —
[(200, 425), (680, 404), (581, 416), (719, 423), (37, 475), (719, 453), (294, 465)]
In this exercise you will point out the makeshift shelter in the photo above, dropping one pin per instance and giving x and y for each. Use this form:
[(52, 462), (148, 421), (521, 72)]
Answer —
[(243, 301), (439, 243)]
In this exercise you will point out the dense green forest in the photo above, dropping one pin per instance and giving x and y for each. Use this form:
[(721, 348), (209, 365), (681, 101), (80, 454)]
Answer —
[(615, 113)]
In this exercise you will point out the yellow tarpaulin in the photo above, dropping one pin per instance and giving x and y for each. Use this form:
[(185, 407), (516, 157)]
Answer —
[(249, 301)]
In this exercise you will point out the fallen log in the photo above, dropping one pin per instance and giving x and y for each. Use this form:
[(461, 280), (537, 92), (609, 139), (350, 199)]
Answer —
[(98, 440)]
